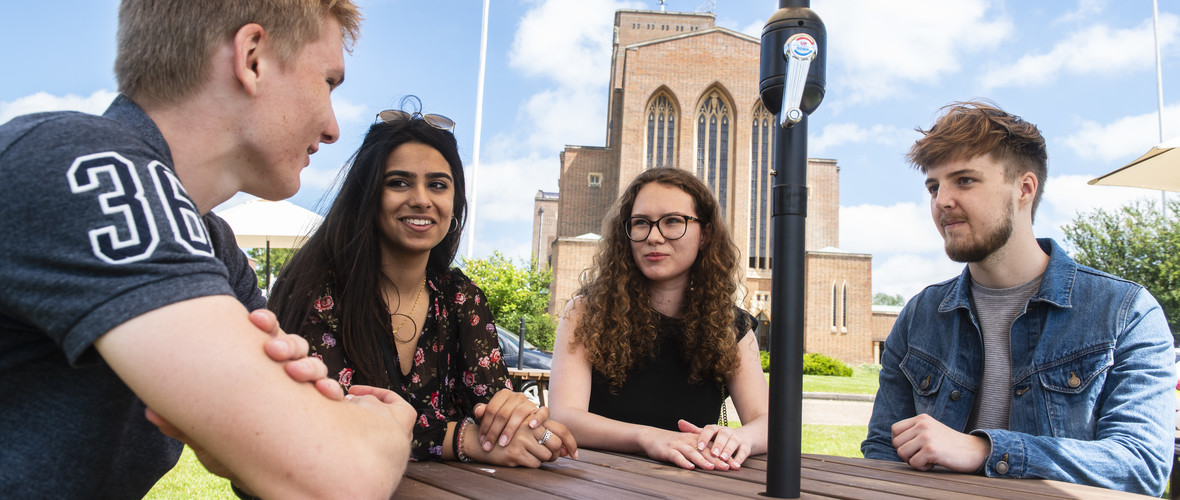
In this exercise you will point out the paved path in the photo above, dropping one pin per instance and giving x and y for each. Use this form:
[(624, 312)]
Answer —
[(817, 409)]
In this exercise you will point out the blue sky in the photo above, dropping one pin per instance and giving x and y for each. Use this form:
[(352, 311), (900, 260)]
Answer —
[(1082, 70)]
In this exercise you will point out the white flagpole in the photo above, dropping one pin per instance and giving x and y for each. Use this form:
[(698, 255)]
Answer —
[(483, 56), (1159, 89)]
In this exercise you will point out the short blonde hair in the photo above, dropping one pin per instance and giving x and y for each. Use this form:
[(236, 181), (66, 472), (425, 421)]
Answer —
[(164, 46)]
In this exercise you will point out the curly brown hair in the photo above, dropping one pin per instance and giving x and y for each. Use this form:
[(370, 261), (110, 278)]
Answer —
[(617, 326)]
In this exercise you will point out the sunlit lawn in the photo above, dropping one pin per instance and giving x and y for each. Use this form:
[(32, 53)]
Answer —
[(862, 381), (189, 479), (837, 440)]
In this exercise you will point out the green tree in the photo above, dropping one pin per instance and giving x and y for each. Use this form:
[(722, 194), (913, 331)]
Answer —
[(278, 259), (884, 299), (516, 292), (1135, 242)]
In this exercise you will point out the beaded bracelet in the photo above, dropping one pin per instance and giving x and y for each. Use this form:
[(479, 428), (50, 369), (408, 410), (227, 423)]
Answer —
[(458, 440)]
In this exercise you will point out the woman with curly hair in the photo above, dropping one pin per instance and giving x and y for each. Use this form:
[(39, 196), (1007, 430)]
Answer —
[(646, 352), (374, 294)]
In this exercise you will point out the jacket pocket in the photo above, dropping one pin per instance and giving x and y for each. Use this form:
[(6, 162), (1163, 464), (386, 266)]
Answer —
[(926, 376), (1071, 387)]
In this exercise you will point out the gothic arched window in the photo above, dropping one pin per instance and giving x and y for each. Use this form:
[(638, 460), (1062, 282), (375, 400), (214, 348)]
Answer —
[(713, 130), (661, 132), (761, 159)]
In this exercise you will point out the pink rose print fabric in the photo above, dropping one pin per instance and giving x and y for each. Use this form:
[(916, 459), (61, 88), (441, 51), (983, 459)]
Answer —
[(457, 364)]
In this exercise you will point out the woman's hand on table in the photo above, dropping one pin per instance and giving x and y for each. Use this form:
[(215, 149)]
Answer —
[(528, 447), (730, 446), (680, 448), (502, 418)]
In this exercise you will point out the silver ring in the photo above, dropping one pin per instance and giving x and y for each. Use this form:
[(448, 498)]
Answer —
[(545, 437)]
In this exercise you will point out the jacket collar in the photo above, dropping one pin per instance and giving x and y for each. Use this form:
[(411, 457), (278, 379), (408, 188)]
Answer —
[(1056, 284)]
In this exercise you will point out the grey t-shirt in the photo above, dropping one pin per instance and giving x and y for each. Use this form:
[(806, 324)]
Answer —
[(97, 230), (997, 309)]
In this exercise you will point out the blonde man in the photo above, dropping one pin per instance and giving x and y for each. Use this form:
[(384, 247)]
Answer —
[(115, 297)]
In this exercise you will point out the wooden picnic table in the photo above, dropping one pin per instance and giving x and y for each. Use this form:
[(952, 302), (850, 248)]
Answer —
[(598, 475), (540, 376)]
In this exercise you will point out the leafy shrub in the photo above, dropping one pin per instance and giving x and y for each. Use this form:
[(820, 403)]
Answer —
[(871, 368), (540, 329), (819, 364)]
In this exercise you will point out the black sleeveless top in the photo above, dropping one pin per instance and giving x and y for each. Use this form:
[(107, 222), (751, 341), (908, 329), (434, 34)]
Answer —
[(657, 392)]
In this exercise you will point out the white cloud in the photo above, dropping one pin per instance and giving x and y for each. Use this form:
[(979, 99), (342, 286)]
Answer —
[(1096, 50), (754, 29), (1125, 138), (507, 187), (348, 111), (95, 104), (549, 113), (568, 42), (906, 248), (864, 40), (512, 247), (1086, 8), (839, 134), (314, 179), (1068, 195), (907, 274), (899, 228)]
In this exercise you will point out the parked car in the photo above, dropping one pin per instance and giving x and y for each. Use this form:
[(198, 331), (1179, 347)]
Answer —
[(534, 359)]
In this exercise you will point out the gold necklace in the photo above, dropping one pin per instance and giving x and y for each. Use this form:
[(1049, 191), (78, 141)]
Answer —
[(407, 316)]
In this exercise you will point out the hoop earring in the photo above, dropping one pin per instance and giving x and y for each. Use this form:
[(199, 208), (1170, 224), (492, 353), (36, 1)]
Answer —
[(454, 225)]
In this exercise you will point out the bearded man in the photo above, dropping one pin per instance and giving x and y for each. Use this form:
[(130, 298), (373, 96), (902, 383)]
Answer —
[(1027, 365)]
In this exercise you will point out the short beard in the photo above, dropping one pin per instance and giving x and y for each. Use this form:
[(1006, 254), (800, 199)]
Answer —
[(980, 249)]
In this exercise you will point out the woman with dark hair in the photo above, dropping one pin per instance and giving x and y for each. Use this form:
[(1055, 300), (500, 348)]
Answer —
[(646, 353), (373, 292)]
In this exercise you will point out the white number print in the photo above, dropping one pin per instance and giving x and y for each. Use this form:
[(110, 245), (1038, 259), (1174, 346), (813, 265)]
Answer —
[(186, 222), (129, 209)]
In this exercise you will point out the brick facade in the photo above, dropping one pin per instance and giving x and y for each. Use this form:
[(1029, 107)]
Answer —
[(699, 68), (545, 210)]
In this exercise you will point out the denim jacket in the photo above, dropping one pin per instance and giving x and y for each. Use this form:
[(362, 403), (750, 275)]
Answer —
[(1093, 383)]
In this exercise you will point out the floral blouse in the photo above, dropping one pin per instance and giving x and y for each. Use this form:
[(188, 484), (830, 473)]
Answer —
[(458, 342)]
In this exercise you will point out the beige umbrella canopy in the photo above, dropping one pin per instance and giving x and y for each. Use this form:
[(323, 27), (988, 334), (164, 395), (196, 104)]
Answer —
[(1159, 169), (262, 223), (266, 224)]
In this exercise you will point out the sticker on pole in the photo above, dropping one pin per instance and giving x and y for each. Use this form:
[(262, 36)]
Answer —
[(801, 46), (799, 50)]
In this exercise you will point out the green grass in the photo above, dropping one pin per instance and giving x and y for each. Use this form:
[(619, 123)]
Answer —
[(189, 479), (837, 440), (862, 381)]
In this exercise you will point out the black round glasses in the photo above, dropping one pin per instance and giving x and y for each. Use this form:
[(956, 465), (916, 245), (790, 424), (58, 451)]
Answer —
[(671, 226)]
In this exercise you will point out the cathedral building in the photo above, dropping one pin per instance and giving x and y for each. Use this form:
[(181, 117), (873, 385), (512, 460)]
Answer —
[(684, 93)]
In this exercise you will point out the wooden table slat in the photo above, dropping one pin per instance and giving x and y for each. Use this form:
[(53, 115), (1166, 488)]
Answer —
[(555, 484), (649, 478), (618, 475), (412, 489), (1000, 488), (467, 483)]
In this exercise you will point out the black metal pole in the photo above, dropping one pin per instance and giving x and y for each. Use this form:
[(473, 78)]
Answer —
[(267, 270), (794, 45), (787, 285), (520, 347)]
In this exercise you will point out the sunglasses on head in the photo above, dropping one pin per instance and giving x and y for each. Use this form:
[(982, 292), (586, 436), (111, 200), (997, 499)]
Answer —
[(437, 121)]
